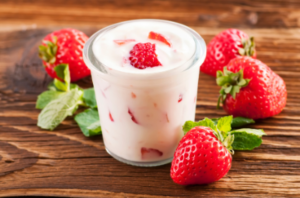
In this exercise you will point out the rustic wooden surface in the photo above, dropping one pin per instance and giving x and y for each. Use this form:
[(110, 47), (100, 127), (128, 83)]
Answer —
[(65, 163)]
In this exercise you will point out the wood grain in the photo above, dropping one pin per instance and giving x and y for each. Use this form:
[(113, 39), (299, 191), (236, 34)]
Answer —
[(205, 13), (65, 163)]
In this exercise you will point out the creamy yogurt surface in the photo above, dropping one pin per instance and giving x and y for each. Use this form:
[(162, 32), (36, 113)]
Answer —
[(115, 56)]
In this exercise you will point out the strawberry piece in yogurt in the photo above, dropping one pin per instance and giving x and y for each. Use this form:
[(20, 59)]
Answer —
[(150, 153), (123, 41), (110, 117), (159, 37), (132, 116), (180, 98)]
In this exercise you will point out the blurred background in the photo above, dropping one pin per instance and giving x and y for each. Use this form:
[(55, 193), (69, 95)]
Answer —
[(98, 13)]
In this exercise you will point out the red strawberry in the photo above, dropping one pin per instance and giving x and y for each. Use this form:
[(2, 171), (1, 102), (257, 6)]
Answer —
[(251, 89), (225, 46), (159, 37), (143, 55), (64, 46), (200, 158)]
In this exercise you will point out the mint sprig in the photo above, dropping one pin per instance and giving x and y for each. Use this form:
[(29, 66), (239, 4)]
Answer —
[(57, 110), (89, 98), (63, 99), (247, 139), (89, 122), (62, 71), (46, 97), (238, 139)]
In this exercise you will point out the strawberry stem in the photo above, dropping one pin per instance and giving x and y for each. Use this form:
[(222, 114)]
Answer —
[(231, 83), (248, 47), (48, 51)]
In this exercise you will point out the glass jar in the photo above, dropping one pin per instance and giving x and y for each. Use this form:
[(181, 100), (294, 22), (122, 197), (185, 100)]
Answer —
[(142, 113)]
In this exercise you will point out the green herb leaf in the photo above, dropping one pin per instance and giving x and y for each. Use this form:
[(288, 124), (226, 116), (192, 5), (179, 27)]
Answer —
[(247, 139), (51, 86), (236, 122), (89, 97), (62, 71), (188, 125), (224, 124), (46, 97), (241, 121), (57, 110), (89, 122), (258, 132)]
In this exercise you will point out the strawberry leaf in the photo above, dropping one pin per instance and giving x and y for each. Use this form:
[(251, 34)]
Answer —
[(188, 125), (224, 124), (47, 52), (231, 83), (239, 139)]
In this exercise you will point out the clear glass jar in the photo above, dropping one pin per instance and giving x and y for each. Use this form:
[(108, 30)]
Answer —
[(142, 114)]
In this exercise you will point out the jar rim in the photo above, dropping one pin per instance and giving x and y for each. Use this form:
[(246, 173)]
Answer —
[(95, 65)]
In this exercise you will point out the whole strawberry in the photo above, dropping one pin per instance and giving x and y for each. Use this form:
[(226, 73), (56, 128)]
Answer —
[(143, 55), (64, 46), (200, 158), (225, 46), (251, 89)]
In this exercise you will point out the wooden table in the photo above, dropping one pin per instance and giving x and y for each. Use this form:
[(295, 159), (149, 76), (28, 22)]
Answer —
[(65, 163)]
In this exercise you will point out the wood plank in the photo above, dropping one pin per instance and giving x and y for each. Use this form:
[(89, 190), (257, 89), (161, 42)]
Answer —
[(65, 163), (218, 13)]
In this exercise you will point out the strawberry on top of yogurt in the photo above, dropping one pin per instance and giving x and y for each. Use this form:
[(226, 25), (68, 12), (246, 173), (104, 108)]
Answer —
[(170, 46)]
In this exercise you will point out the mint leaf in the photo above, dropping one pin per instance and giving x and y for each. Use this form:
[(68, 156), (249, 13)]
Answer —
[(57, 110), (215, 120), (89, 97), (188, 125), (46, 97), (89, 122), (95, 127), (62, 71), (258, 132), (241, 121), (247, 139), (51, 86), (236, 122), (224, 124)]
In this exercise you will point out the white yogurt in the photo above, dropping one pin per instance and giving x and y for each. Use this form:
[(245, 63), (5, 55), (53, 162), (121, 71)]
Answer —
[(142, 111), (112, 55)]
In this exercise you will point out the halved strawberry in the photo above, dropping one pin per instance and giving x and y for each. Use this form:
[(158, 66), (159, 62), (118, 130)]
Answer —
[(159, 37)]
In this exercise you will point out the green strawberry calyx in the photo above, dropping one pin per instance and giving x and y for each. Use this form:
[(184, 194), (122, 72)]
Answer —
[(225, 129), (231, 83), (248, 47), (48, 51)]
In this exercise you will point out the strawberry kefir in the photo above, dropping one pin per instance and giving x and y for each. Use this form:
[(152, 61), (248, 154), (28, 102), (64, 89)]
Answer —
[(145, 74)]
